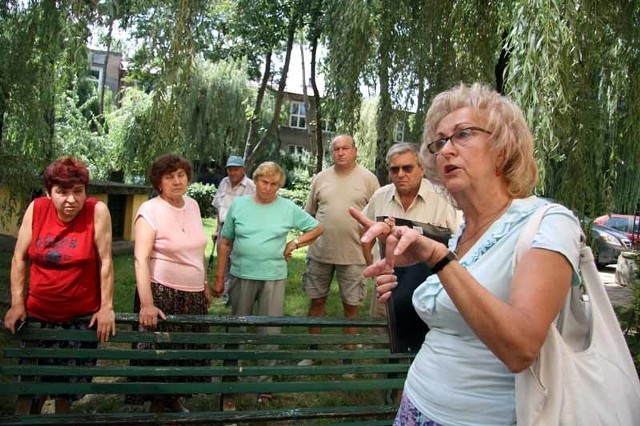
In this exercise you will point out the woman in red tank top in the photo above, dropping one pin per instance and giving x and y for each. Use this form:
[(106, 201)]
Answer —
[(65, 241)]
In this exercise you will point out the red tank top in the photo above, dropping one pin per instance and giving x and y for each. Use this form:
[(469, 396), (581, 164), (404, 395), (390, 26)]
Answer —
[(64, 275)]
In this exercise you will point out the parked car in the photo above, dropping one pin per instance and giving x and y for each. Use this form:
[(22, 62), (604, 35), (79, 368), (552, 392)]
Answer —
[(626, 223), (607, 244)]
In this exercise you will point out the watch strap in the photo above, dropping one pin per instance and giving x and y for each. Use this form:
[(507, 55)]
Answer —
[(443, 262)]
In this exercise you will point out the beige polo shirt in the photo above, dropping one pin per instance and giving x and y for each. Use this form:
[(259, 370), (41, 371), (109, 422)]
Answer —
[(329, 200)]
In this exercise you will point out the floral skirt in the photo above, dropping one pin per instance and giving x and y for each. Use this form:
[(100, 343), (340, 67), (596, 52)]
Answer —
[(61, 344), (171, 302), (409, 415)]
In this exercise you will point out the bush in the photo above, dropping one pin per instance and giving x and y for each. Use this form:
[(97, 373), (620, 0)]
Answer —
[(629, 317), (297, 188), (203, 193)]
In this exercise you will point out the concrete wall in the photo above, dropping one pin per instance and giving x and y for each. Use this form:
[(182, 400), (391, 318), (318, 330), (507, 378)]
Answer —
[(133, 204), (8, 226)]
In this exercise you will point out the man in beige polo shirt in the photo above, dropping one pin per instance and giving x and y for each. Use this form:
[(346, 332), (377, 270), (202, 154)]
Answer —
[(409, 196), (339, 250)]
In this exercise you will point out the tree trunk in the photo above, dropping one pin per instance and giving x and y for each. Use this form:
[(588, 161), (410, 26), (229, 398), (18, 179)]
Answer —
[(251, 158), (319, 151), (385, 112), (501, 65), (420, 112), (105, 66), (254, 121), (3, 107), (309, 113)]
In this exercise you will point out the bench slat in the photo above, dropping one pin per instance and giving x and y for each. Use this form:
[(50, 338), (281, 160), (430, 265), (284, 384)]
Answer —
[(200, 354), (27, 388), (220, 338), (233, 321), (214, 371)]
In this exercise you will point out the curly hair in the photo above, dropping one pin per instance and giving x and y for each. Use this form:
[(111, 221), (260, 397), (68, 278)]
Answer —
[(168, 163), (65, 172), (510, 134)]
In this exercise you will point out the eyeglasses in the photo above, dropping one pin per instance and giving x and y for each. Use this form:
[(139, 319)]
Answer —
[(407, 168), (458, 138)]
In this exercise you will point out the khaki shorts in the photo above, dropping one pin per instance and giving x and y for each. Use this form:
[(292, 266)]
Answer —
[(316, 281)]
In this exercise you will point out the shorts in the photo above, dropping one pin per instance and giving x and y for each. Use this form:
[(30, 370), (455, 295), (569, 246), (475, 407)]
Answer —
[(317, 277), (409, 415)]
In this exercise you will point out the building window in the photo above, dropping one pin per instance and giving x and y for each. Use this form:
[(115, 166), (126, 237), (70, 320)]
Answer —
[(326, 126), (297, 150), (297, 116), (399, 134), (95, 75)]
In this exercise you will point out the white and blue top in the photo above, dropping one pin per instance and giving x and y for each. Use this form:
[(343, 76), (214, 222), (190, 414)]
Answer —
[(455, 379)]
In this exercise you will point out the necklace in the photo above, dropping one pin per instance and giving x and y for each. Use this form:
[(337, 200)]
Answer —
[(181, 222), (484, 225), (180, 214)]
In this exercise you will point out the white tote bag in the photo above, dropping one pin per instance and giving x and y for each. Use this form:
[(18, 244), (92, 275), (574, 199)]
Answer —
[(584, 374)]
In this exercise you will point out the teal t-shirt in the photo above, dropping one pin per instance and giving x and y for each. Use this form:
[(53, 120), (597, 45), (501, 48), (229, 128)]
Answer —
[(259, 234)]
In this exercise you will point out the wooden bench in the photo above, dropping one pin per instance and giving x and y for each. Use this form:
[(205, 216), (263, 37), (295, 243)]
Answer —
[(330, 392)]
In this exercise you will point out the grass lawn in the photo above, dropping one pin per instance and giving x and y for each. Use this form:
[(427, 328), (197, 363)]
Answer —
[(296, 304), (296, 301)]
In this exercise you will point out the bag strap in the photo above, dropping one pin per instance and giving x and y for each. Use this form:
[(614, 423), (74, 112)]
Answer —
[(528, 232), (523, 244)]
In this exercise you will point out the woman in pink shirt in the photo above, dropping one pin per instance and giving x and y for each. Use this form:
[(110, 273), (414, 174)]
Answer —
[(169, 263)]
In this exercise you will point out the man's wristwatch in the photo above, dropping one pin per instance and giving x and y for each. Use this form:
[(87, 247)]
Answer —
[(443, 262), (297, 243)]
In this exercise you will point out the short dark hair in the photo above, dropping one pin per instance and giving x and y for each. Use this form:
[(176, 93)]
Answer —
[(65, 172), (168, 163)]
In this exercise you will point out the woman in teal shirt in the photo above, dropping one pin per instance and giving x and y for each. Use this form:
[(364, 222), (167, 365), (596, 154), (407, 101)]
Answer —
[(254, 239)]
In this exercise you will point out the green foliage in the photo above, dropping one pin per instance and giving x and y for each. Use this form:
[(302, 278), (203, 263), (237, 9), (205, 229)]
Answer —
[(203, 193), (39, 45), (578, 93), (297, 186), (128, 127), (366, 135), (78, 132), (350, 46), (215, 106)]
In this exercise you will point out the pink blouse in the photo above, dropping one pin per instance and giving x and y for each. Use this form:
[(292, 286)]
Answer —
[(177, 258)]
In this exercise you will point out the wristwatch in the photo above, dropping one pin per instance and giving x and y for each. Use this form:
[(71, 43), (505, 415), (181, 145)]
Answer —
[(443, 262), (297, 243)]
